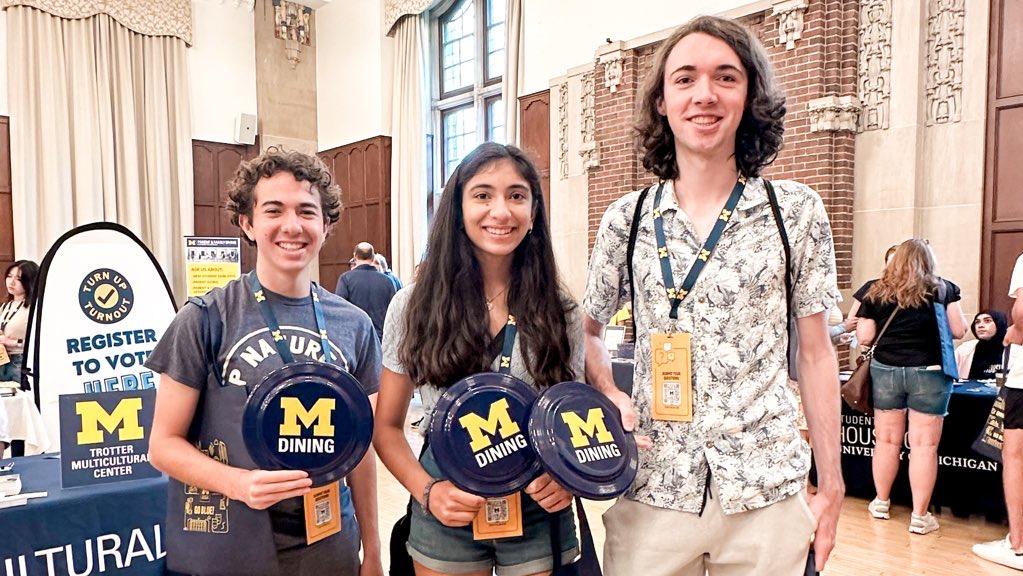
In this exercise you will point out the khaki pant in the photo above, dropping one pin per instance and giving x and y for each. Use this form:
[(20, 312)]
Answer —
[(644, 540)]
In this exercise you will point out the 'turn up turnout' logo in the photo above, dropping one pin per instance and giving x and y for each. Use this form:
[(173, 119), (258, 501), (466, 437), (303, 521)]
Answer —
[(106, 296)]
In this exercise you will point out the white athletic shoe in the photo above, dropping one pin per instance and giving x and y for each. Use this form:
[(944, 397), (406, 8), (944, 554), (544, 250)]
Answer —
[(879, 508), (1000, 552), (923, 524)]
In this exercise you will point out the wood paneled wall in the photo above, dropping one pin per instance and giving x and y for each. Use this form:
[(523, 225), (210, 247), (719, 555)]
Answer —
[(1003, 195), (535, 137), (363, 169), (213, 166), (6, 211)]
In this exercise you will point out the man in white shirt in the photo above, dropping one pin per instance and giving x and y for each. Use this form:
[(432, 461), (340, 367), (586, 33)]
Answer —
[(1009, 551)]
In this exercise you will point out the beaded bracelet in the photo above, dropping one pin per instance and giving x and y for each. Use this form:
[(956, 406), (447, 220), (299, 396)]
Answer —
[(425, 505)]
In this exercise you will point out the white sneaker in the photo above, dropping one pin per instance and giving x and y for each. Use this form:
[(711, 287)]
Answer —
[(923, 524), (1000, 552), (879, 508)]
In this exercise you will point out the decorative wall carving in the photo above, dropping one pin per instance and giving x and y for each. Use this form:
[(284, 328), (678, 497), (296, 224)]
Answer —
[(833, 113), (945, 30), (588, 126), (875, 65), (790, 21), (147, 17), (563, 130), (612, 71)]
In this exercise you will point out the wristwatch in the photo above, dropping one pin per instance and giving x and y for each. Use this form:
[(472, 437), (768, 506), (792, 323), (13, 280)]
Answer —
[(424, 506)]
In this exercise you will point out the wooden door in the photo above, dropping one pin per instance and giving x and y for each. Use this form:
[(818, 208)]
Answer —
[(535, 137), (363, 169), (214, 164), (1003, 194)]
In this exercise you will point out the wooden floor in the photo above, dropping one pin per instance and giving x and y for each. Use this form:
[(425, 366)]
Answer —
[(865, 546)]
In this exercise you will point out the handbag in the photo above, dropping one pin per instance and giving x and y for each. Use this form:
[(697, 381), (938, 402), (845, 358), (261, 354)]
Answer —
[(857, 391), (948, 355), (586, 564), (989, 443)]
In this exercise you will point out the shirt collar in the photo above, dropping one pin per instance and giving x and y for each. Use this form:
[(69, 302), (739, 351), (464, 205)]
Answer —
[(754, 195), (668, 200)]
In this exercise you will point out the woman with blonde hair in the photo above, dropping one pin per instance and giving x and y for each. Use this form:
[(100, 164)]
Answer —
[(907, 372)]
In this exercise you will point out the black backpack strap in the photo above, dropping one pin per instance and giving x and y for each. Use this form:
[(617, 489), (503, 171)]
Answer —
[(772, 198), (212, 328), (633, 232), (776, 211)]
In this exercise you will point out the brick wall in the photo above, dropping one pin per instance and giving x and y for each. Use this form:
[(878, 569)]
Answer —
[(823, 62)]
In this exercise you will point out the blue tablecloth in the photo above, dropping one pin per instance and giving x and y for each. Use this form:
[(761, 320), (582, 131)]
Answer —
[(114, 528), (967, 482)]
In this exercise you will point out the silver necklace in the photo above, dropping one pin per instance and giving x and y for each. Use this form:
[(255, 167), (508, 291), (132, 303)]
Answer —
[(490, 301)]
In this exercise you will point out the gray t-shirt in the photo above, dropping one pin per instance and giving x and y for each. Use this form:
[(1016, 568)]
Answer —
[(394, 333), (247, 352)]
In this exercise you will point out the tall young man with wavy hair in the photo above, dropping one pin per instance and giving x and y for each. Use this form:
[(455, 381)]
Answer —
[(720, 489)]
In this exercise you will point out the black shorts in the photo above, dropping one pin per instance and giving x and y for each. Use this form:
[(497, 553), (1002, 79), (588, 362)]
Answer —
[(1013, 409)]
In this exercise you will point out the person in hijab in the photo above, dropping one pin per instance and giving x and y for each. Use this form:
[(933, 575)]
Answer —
[(979, 359)]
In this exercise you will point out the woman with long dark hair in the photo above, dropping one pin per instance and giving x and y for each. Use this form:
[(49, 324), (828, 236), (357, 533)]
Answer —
[(907, 374), (21, 283), (489, 256)]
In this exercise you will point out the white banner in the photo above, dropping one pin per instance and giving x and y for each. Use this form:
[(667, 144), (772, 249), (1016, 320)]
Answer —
[(102, 302)]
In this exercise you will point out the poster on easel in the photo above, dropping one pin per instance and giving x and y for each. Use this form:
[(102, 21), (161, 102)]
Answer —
[(102, 302), (211, 262)]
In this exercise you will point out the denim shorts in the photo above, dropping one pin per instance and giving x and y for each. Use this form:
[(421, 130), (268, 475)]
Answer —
[(12, 370), (919, 388), (453, 550)]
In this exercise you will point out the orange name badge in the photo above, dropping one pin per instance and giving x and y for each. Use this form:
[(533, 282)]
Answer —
[(322, 512), (499, 518), (5, 358), (672, 376)]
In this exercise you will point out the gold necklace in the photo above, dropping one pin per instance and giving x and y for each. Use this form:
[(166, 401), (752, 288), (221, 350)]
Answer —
[(490, 301)]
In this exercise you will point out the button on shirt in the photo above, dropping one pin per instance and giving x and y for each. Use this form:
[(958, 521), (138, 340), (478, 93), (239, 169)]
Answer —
[(744, 413)]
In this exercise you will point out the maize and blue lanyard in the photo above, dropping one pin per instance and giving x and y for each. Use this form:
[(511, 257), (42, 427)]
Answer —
[(510, 331), (275, 329), (676, 296)]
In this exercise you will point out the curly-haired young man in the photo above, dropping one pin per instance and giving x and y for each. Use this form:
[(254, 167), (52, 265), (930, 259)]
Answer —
[(720, 486), (225, 516)]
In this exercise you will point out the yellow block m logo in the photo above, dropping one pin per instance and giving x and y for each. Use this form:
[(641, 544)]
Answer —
[(583, 430), (318, 417), (124, 420), (498, 419)]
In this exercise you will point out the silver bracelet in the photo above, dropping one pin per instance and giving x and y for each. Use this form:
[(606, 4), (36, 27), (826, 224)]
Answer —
[(425, 505)]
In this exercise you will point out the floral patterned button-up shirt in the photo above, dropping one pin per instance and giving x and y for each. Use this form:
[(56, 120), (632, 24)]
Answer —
[(744, 414)]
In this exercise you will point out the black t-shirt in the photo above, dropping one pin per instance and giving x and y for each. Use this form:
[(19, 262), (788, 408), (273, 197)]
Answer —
[(912, 338)]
